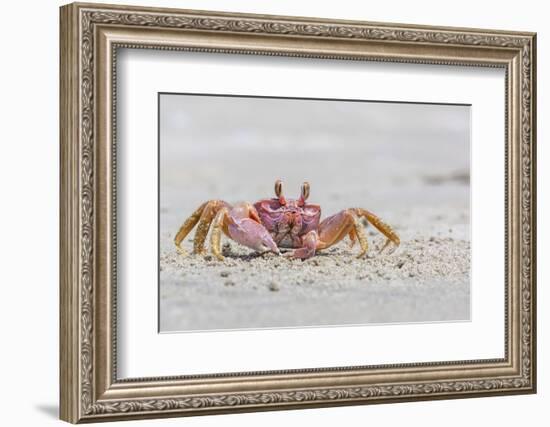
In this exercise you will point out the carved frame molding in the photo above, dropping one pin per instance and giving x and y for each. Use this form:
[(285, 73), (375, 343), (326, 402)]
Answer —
[(90, 36)]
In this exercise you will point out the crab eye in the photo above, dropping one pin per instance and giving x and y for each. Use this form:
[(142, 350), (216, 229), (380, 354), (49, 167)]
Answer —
[(278, 188), (305, 191), (279, 192)]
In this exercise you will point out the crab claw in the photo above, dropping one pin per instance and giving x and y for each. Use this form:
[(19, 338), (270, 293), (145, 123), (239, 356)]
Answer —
[(253, 235)]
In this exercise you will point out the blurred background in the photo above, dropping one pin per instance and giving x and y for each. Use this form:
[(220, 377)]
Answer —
[(380, 155)]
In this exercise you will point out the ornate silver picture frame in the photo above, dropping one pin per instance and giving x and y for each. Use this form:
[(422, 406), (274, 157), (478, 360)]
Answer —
[(91, 36)]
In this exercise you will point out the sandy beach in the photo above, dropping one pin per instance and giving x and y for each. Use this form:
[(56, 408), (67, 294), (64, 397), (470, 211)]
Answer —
[(414, 174)]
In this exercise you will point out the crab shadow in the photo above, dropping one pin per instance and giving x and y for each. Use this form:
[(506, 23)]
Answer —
[(272, 257)]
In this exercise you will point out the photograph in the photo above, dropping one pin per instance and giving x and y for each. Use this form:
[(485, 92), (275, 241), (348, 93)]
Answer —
[(280, 212)]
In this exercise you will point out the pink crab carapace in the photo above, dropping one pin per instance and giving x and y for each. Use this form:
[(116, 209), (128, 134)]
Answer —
[(271, 224)]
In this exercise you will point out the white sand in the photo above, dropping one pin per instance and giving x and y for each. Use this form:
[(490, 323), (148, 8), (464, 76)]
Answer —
[(426, 280)]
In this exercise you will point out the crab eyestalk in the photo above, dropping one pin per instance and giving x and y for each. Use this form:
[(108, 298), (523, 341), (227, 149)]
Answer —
[(304, 194), (279, 192)]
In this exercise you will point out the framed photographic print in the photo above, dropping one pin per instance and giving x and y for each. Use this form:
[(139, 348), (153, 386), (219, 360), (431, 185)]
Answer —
[(266, 212)]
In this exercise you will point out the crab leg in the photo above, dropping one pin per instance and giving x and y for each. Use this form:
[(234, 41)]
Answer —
[(187, 226), (215, 237), (204, 224), (203, 215), (336, 227), (380, 225), (361, 236), (346, 223)]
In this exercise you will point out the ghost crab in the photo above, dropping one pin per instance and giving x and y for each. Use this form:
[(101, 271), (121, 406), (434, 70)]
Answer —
[(271, 224)]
